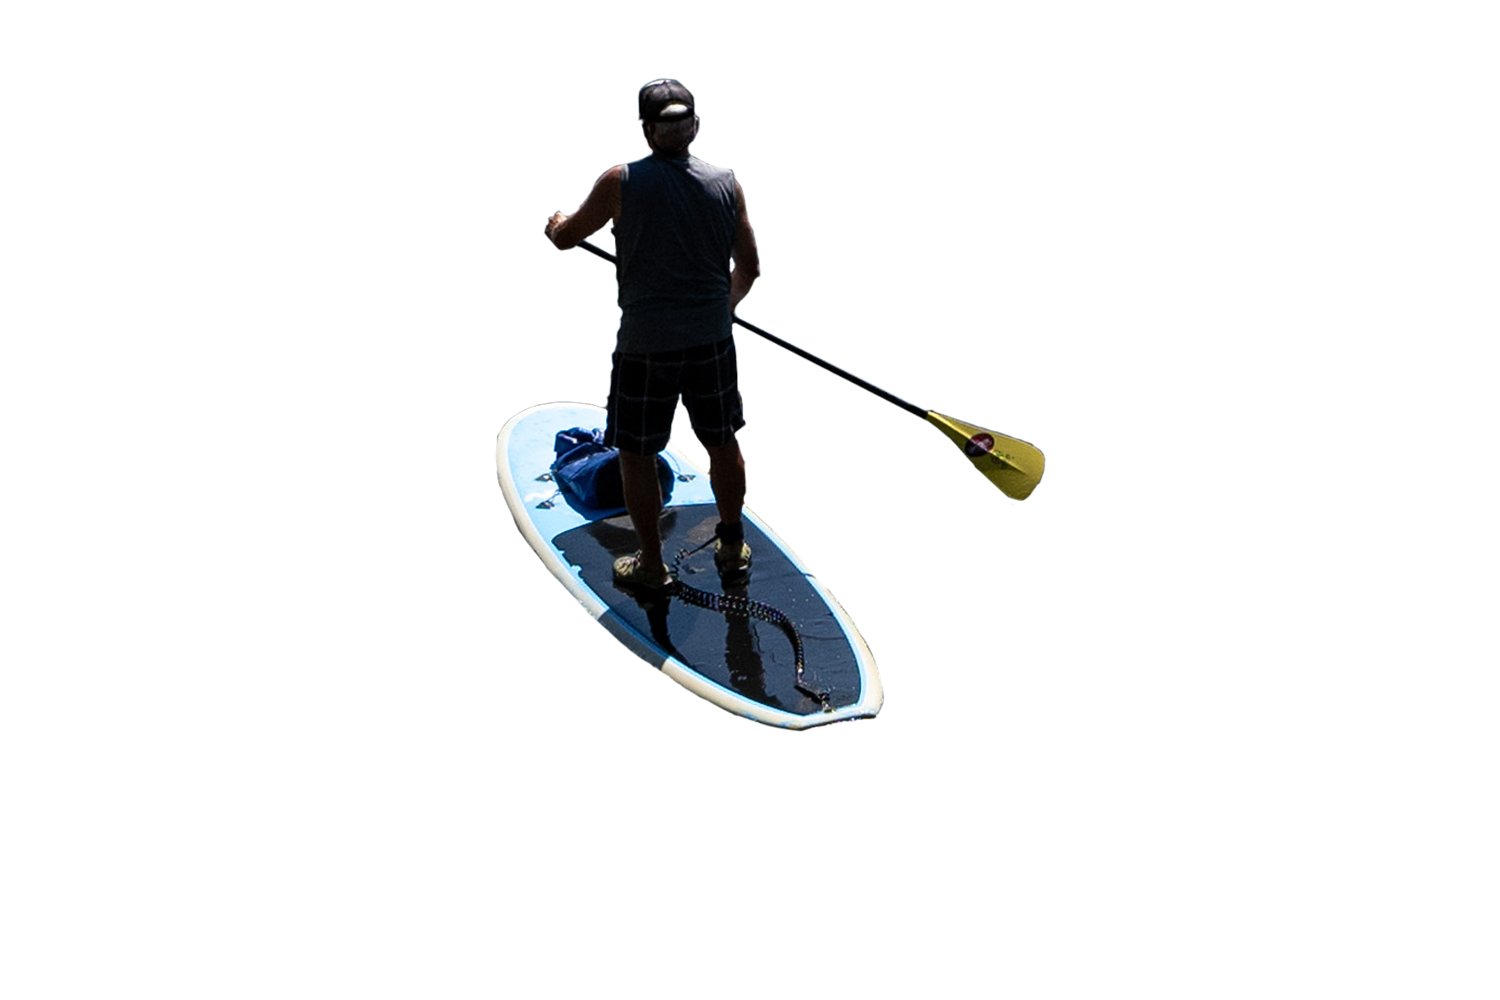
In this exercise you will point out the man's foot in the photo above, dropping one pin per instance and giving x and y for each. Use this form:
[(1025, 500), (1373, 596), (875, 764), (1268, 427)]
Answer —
[(631, 572), (732, 563)]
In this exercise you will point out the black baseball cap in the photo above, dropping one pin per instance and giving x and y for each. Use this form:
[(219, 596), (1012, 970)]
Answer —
[(665, 101)]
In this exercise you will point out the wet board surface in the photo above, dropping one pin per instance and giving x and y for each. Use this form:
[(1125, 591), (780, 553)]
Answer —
[(744, 665)]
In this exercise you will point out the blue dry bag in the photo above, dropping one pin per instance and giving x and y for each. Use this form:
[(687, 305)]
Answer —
[(589, 472)]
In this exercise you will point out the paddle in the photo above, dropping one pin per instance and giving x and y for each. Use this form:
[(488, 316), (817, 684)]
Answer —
[(1013, 465)]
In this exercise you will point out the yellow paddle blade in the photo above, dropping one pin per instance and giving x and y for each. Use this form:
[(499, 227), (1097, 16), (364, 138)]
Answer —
[(1010, 463)]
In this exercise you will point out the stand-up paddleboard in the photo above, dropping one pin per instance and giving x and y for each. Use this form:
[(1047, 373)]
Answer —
[(736, 653)]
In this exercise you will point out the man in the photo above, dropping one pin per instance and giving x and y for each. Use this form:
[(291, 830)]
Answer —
[(679, 222)]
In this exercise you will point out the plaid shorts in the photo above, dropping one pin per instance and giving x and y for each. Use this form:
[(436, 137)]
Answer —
[(643, 391)]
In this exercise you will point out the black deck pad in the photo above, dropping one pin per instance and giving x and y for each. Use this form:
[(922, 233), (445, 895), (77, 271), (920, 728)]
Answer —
[(754, 658)]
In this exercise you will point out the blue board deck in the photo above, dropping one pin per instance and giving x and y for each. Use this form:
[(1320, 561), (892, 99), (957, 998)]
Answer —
[(744, 665)]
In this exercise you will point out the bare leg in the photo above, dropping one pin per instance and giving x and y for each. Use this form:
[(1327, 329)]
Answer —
[(726, 473), (643, 502)]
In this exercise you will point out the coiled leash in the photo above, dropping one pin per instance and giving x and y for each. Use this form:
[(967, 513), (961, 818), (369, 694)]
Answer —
[(733, 604), (728, 603)]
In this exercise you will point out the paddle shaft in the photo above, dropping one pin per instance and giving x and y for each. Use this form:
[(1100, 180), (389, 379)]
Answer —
[(888, 397), (1012, 465)]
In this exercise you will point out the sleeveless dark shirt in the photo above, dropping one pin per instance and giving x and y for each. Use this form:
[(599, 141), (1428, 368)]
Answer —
[(673, 241)]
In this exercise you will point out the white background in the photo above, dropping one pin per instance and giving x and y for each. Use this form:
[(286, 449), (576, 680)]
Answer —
[(246, 387)]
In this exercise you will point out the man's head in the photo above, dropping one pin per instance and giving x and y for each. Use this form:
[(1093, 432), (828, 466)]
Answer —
[(667, 116)]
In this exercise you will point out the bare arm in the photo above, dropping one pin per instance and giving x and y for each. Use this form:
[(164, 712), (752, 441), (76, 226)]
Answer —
[(601, 206), (744, 254)]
